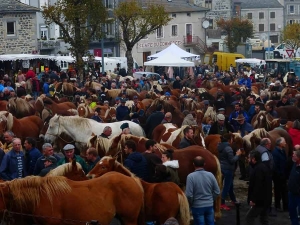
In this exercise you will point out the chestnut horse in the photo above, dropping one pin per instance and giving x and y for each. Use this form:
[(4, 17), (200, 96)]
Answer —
[(20, 108), (262, 119), (29, 126), (162, 200), (55, 200)]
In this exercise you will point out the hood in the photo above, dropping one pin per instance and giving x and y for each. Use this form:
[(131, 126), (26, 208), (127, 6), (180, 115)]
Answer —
[(173, 164), (136, 156), (222, 145), (189, 117), (294, 132)]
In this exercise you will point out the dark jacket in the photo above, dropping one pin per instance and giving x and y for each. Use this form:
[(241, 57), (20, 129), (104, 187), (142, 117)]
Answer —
[(153, 121), (245, 129), (2, 154), (122, 111), (97, 118), (215, 129), (91, 165), (39, 165), (31, 157), (9, 166), (152, 161), (270, 163), (260, 185), (176, 84), (137, 164), (294, 180), (226, 156), (280, 162), (46, 170), (280, 103), (184, 143)]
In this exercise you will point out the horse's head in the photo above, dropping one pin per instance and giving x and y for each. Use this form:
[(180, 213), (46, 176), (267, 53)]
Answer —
[(6, 122), (12, 105), (82, 110), (75, 173), (54, 129), (105, 165), (198, 136), (238, 141)]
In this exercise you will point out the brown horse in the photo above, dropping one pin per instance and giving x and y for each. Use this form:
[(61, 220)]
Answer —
[(276, 122), (55, 200), (159, 203), (29, 126), (262, 119), (3, 105), (169, 134), (20, 107), (65, 89), (113, 93), (289, 112), (58, 108)]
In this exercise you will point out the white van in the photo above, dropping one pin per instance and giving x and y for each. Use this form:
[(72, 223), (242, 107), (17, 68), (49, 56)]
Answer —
[(123, 62)]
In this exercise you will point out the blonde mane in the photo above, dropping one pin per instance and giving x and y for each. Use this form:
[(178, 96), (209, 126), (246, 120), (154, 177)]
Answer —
[(63, 169), (211, 112), (129, 104), (113, 93), (76, 121), (86, 108), (19, 104), (40, 99), (9, 119), (259, 132), (29, 189), (108, 110), (101, 142)]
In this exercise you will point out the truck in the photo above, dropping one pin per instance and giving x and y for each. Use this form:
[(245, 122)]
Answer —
[(222, 59)]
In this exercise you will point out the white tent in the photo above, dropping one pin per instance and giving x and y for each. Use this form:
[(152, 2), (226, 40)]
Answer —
[(15, 57), (174, 50), (251, 61), (169, 59)]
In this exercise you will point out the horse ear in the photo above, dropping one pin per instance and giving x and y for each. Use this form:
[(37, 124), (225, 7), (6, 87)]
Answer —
[(93, 134)]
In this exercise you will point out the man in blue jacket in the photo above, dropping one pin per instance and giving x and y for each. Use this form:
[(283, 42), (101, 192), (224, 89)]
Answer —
[(32, 154), (13, 163), (122, 110), (246, 81)]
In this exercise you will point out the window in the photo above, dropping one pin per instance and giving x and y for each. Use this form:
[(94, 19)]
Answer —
[(292, 9), (261, 15), (188, 50), (272, 27), (292, 21), (274, 39), (174, 15), (272, 15), (249, 16), (159, 33), (261, 27), (174, 30), (11, 28), (188, 14), (63, 64), (110, 29)]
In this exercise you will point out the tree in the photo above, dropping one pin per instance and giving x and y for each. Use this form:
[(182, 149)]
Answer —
[(291, 35), (136, 22), (236, 30), (79, 21)]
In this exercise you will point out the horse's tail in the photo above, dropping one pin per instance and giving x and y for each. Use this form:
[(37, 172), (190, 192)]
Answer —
[(218, 176), (184, 210)]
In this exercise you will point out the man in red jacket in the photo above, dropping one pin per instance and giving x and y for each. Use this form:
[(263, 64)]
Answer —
[(30, 73)]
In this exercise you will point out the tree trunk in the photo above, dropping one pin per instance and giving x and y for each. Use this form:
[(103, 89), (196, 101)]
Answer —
[(129, 62), (80, 65)]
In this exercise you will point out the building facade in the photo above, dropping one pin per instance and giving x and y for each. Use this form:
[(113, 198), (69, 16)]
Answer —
[(292, 11), (17, 28), (184, 30)]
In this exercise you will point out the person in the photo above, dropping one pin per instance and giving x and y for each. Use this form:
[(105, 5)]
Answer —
[(2, 153), (92, 158), (152, 159), (176, 83), (125, 128), (283, 102), (31, 154), (47, 151), (264, 149), (135, 161), (50, 163), (97, 116), (220, 126), (30, 73), (106, 132), (8, 137), (167, 119), (171, 171), (162, 80), (237, 111), (271, 110), (69, 150), (246, 81), (188, 119), (186, 141), (135, 118), (282, 125), (154, 120), (259, 190), (242, 126), (227, 160), (280, 175), (13, 163), (201, 191), (251, 111), (294, 132), (294, 188), (122, 110)]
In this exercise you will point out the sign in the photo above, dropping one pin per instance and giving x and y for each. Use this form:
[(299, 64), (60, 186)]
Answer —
[(25, 64), (290, 52), (158, 44)]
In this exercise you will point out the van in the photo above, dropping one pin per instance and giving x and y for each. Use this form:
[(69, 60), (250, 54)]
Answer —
[(223, 59), (123, 62)]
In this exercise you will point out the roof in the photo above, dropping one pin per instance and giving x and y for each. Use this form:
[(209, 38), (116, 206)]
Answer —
[(252, 4), (15, 6)]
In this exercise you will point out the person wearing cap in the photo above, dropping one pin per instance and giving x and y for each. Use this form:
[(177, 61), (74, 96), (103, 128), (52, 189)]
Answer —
[(117, 101), (122, 111), (283, 102), (50, 163), (125, 128), (32, 154), (282, 125), (168, 95), (135, 107), (167, 119), (188, 119), (97, 116), (69, 152), (237, 111), (243, 127), (220, 126)]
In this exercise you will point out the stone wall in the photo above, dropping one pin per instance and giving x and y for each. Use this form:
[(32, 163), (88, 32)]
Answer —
[(25, 38)]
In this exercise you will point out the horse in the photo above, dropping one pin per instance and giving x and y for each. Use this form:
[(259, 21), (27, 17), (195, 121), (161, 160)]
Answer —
[(168, 133), (113, 93), (251, 141), (288, 112), (262, 119), (65, 89), (55, 200), (159, 203), (20, 107), (276, 122), (212, 141), (80, 129), (58, 108), (72, 170), (94, 85), (29, 126), (3, 105)]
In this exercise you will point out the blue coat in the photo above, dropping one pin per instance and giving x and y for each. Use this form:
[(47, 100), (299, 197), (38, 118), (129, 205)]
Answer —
[(246, 128), (234, 115), (137, 164), (251, 113), (31, 157), (246, 82), (9, 166), (280, 162), (122, 111), (39, 165)]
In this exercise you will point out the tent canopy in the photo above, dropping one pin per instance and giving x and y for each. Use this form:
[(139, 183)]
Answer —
[(169, 59), (251, 61), (174, 50), (15, 57)]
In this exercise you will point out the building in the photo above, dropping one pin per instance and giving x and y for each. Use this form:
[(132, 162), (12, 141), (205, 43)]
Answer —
[(292, 11), (267, 17), (18, 25), (184, 30)]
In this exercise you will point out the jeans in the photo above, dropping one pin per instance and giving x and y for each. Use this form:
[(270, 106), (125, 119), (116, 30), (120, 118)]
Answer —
[(294, 202), (227, 185), (203, 216)]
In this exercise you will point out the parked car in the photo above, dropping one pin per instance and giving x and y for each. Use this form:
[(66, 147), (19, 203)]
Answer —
[(149, 75)]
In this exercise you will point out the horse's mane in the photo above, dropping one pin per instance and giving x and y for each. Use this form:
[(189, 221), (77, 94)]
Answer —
[(210, 112), (73, 111), (259, 132), (19, 104), (86, 107), (9, 119), (63, 169), (40, 99), (102, 142), (108, 110), (30, 189), (129, 104), (131, 92), (79, 122)]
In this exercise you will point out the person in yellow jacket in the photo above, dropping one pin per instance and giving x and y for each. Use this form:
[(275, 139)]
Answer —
[(8, 137)]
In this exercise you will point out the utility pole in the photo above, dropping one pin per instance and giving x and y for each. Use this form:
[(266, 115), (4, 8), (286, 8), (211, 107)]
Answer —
[(269, 44), (102, 48)]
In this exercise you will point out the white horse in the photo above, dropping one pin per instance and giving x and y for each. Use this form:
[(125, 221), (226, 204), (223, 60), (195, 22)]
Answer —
[(81, 129)]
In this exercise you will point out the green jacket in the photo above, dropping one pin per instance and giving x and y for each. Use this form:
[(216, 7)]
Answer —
[(78, 159)]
